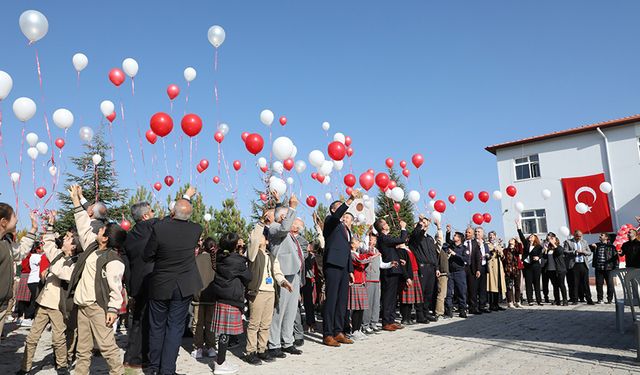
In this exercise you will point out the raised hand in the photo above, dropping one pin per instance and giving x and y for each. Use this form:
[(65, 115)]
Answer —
[(33, 215), (191, 191), (52, 217), (293, 201)]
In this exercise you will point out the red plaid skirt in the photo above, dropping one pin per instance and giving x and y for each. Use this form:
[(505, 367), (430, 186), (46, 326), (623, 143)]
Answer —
[(23, 293), (358, 298), (227, 319), (413, 294)]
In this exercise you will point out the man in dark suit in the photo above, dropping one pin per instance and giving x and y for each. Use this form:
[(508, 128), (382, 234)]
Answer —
[(392, 279), (337, 266), (172, 284), (473, 270), (484, 270), (424, 249)]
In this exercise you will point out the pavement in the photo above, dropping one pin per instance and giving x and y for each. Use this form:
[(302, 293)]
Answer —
[(543, 340)]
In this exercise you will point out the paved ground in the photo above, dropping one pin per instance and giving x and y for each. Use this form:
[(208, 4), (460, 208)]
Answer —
[(542, 340)]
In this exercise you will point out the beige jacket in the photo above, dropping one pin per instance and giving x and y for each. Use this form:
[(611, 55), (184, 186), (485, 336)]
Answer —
[(495, 278), (50, 295), (257, 256)]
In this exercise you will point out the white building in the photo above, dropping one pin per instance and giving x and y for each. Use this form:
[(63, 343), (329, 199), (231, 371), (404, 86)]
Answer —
[(537, 163)]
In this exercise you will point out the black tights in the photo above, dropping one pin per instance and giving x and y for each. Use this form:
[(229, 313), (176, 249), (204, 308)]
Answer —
[(405, 311), (356, 320), (223, 342)]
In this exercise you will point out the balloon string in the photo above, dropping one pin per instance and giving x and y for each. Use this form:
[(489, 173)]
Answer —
[(78, 81), (226, 167), (218, 159), (164, 148), (133, 87), (190, 159), (20, 159), (95, 179), (113, 159), (33, 174), (124, 125), (186, 100), (4, 153), (171, 106), (215, 61), (144, 164), (38, 67)]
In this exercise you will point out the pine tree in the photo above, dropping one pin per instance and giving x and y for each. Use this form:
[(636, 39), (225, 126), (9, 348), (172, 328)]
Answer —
[(99, 183), (227, 219), (386, 211)]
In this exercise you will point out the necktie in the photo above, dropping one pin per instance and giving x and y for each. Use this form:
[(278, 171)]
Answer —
[(295, 240), (346, 231)]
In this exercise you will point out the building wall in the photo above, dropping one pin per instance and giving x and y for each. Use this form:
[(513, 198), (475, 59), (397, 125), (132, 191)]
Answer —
[(572, 156)]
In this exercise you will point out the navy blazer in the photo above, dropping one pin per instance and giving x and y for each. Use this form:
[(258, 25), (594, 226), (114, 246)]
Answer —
[(337, 250), (387, 246)]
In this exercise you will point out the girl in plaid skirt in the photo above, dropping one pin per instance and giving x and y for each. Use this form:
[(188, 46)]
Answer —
[(232, 276), (358, 298), (411, 291)]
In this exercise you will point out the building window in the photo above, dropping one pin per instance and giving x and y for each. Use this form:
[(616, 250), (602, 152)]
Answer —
[(527, 167), (534, 221)]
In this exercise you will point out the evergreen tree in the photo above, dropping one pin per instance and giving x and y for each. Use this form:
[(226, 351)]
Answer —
[(99, 183), (227, 219), (386, 211)]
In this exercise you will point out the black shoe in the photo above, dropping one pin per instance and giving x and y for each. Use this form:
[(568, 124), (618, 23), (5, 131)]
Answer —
[(406, 322), (22, 372), (484, 310), (565, 303), (494, 308), (546, 299), (292, 350), (590, 302), (63, 371), (539, 303), (432, 318), (574, 303), (475, 312), (448, 315), (530, 303), (463, 314), (266, 357), (422, 321), (252, 359), (277, 353), (299, 342), (608, 302)]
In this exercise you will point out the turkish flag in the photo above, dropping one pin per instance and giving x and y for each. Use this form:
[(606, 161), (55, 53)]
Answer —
[(586, 189)]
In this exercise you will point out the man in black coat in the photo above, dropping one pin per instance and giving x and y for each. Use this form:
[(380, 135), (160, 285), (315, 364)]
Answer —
[(337, 267), (424, 249), (473, 270), (172, 284)]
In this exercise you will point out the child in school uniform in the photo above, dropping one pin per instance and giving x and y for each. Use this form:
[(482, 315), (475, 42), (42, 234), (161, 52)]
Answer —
[(411, 291), (358, 297)]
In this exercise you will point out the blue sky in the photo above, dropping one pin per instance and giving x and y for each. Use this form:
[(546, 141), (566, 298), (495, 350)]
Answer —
[(444, 79)]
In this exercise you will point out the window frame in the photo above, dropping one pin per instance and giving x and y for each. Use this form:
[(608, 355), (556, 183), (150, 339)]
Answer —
[(530, 164), (533, 215)]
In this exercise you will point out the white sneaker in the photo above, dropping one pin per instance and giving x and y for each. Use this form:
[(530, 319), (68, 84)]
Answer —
[(225, 368), (211, 353), (511, 306), (518, 305), (368, 331), (196, 353), (26, 323), (362, 335)]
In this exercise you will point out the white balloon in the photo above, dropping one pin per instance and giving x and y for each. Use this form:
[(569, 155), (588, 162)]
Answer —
[(34, 25), (338, 165), (266, 117), (432, 204), (32, 152), (327, 180), (86, 133), (80, 61), (497, 195), (282, 148), (15, 177), (262, 162), (223, 128), (316, 158), (294, 152), (96, 158), (565, 231), (326, 126), (42, 148), (107, 107), (519, 206), (32, 139), (24, 108), (546, 193), (327, 196), (326, 168), (300, 166), (190, 74), (207, 217), (63, 118), (414, 196), (216, 35), (606, 187), (130, 67), (436, 216), (290, 180), (278, 167), (53, 170), (582, 208), (339, 137), (278, 185), (6, 84), (387, 193), (397, 194)]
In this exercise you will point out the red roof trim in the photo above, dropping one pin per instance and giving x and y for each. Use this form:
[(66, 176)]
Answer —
[(606, 124)]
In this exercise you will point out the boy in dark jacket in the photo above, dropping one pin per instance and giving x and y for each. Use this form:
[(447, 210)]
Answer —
[(605, 260)]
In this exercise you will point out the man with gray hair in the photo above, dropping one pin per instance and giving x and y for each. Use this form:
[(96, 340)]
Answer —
[(97, 212)]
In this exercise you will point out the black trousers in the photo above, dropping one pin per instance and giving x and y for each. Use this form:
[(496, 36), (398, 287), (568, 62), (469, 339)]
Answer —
[(482, 287), (137, 351), (601, 277), (472, 290), (571, 287), (309, 306), (546, 277), (532, 281), (429, 291), (456, 284), (581, 281), (337, 296), (557, 280), (30, 311), (390, 285)]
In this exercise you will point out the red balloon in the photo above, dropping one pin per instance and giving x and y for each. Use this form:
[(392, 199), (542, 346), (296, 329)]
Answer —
[(199, 168), (349, 152), (349, 191), (151, 136), (161, 124), (204, 164), (263, 197), (366, 180), (389, 162), (347, 141), (111, 117), (440, 206), (283, 120), (60, 143), (116, 76), (216, 180), (406, 173), (254, 143), (288, 164), (350, 180), (486, 217), (432, 193), (511, 191), (320, 178), (157, 186), (417, 160), (483, 196), (219, 137), (396, 206), (244, 136), (314, 175), (264, 169), (237, 165), (191, 124), (478, 219), (336, 150), (392, 184), (452, 199), (468, 196), (125, 224), (382, 180), (371, 171), (403, 164), (311, 201), (173, 91), (41, 192), (168, 180)]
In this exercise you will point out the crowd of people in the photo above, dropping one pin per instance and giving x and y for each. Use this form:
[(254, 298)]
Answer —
[(90, 281)]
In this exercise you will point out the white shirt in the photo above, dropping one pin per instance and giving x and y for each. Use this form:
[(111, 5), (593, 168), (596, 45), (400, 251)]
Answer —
[(34, 265), (483, 251)]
